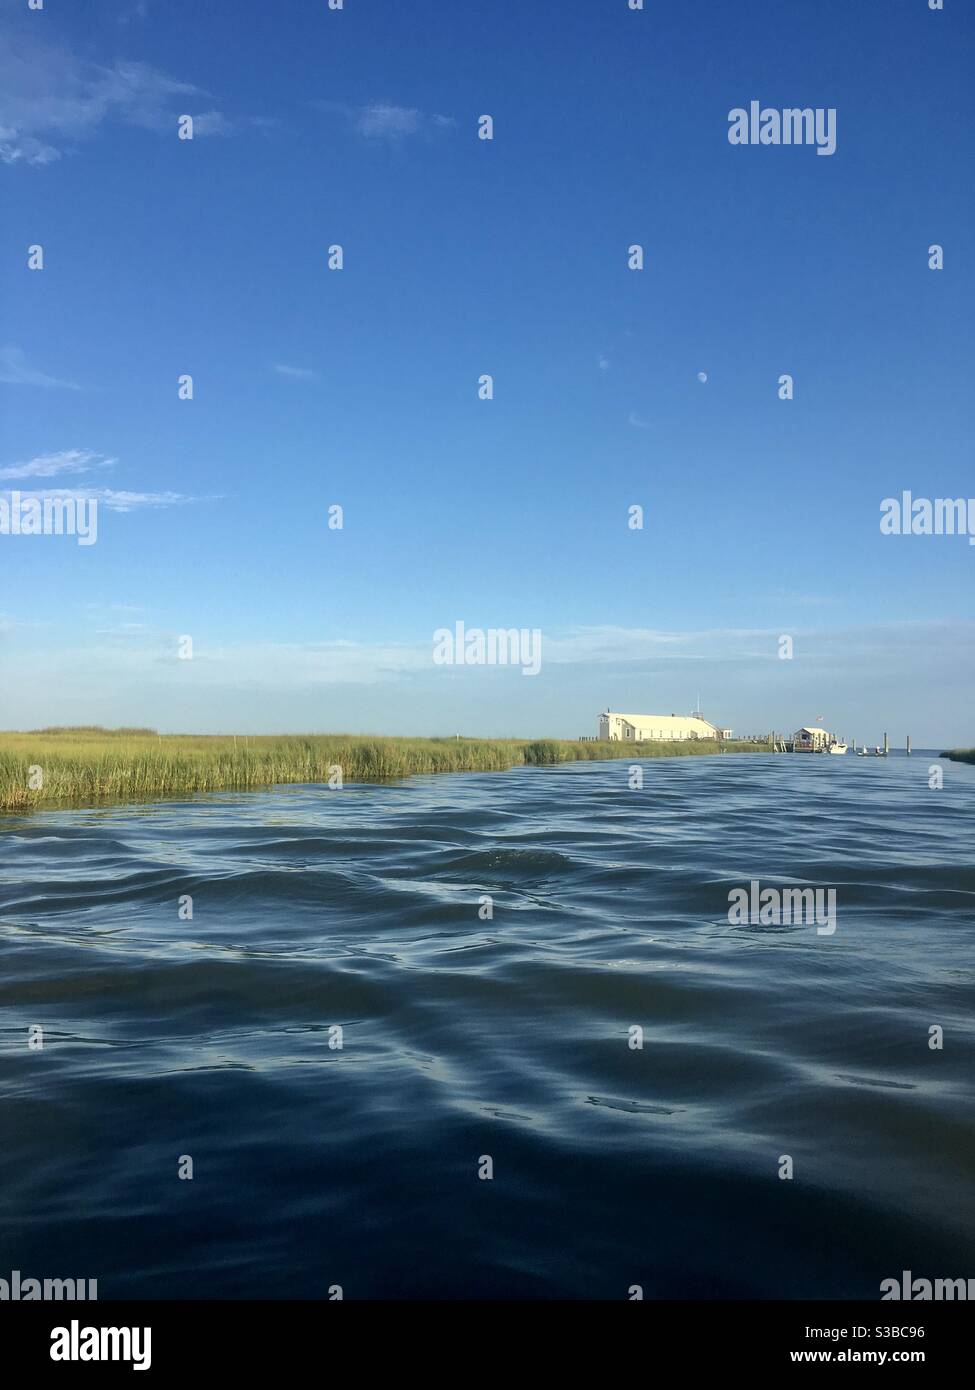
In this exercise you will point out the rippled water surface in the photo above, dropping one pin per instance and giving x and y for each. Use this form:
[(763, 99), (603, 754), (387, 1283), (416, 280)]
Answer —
[(509, 1038)]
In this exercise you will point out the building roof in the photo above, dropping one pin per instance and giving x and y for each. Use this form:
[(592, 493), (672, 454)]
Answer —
[(655, 720)]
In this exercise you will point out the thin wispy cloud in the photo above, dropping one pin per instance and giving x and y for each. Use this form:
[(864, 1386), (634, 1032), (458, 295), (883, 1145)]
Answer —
[(792, 596), (120, 630), (70, 463), (121, 501), (15, 370), (604, 363), (733, 656), (637, 421), (50, 98), (116, 500), (98, 607), (135, 10), (297, 373), (56, 465), (385, 122), (212, 123)]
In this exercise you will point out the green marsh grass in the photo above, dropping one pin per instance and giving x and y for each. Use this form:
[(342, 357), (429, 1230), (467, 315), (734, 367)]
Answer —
[(89, 766)]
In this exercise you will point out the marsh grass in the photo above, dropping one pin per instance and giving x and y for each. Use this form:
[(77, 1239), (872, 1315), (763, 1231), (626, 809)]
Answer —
[(90, 766), (960, 755)]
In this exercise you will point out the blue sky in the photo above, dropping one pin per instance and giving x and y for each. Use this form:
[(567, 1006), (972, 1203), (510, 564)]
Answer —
[(462, 256)]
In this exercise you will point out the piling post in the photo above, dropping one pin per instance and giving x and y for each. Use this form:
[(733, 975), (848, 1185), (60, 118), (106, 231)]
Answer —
[(885, 744), (908, 745)]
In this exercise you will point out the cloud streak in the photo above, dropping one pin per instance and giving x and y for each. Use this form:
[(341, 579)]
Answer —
[(15, 370), (50, 98), (384, 122), (116, 500), (133, 676), (69, 463), (297, 373), (55, 465), (113, 499)]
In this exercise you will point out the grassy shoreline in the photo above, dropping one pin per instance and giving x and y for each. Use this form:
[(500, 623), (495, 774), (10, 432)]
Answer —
[(93, 766), (960, 755)]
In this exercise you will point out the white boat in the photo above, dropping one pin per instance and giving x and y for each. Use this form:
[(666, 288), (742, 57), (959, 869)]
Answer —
[(837, 747)]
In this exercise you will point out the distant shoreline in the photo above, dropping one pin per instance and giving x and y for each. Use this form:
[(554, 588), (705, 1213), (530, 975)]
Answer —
[(960, 755), (87, 767)]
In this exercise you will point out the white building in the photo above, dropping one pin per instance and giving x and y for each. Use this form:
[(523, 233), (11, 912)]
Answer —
[(641, 728), (811, 740)]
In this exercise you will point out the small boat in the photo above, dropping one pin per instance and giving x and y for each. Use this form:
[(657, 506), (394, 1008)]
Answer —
[(880, 752), (837, 747)]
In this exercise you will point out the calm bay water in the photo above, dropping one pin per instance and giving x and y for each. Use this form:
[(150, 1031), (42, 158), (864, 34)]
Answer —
[(509, 1037)]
